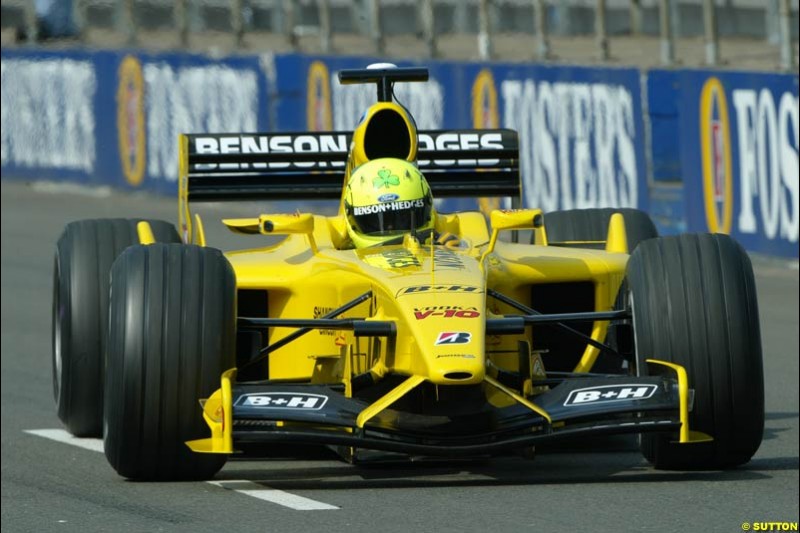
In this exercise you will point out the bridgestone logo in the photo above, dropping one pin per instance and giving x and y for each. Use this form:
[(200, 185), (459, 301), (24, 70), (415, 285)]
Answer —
[(453, 337), (610, 393), (283, 400), (392, 206)]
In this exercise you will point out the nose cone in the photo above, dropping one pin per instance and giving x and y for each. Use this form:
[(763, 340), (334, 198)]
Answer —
[(448, 325), (438, 299)]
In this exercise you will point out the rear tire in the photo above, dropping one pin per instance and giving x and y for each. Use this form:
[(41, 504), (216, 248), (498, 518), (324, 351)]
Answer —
[(592, 225), (84, 255), (694, 304), (172, 334)]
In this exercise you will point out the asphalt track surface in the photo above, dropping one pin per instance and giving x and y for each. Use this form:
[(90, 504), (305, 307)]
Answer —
[(53, 486)]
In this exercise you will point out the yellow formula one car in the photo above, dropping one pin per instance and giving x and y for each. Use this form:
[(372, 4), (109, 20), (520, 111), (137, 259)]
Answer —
[(418, 344)]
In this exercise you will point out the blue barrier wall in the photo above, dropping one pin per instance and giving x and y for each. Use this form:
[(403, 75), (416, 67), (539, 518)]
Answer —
[(581, 129), (699, 150), (738, 156), (113, 118)]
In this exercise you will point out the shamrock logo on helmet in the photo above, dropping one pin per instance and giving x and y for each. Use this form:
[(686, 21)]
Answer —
[(385, 178)]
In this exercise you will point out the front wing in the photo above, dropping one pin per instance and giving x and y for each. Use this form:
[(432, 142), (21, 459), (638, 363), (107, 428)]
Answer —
[(246, 413)]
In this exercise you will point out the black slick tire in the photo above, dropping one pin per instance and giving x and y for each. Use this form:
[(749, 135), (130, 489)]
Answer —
[(84, 255), (172, 334), (694, 304)]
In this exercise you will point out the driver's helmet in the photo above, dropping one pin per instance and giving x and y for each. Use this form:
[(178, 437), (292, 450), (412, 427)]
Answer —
[(385, 198)]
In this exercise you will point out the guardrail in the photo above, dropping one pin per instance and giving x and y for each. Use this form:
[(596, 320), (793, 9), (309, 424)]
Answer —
[(323, 18), (702, 150)]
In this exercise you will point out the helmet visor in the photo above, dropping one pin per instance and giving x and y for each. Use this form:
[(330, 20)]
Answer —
[(391, 217)]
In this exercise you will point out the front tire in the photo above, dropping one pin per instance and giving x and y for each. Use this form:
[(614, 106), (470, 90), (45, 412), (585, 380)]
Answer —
[(694, 304), (172, 335), (84, 255)]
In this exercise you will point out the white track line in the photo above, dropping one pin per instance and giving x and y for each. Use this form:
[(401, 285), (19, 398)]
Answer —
[(248, 488), (280, 497), (95, 445)]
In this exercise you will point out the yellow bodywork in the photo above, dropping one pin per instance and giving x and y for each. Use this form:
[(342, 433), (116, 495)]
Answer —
[(306, 276), (407, 280), (218, 414), (686, 435), (435, 294)]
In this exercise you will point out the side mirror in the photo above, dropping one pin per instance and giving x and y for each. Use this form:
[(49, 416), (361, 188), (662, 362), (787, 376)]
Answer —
[(506, 219), (277, 224), (280, 224), (286, 224), (514, 219)]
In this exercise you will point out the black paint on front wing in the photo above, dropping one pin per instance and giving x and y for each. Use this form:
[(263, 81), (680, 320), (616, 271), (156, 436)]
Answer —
[(271, 412)]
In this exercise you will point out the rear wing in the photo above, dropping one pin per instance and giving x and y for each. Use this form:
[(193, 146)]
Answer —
[(279, 166)]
